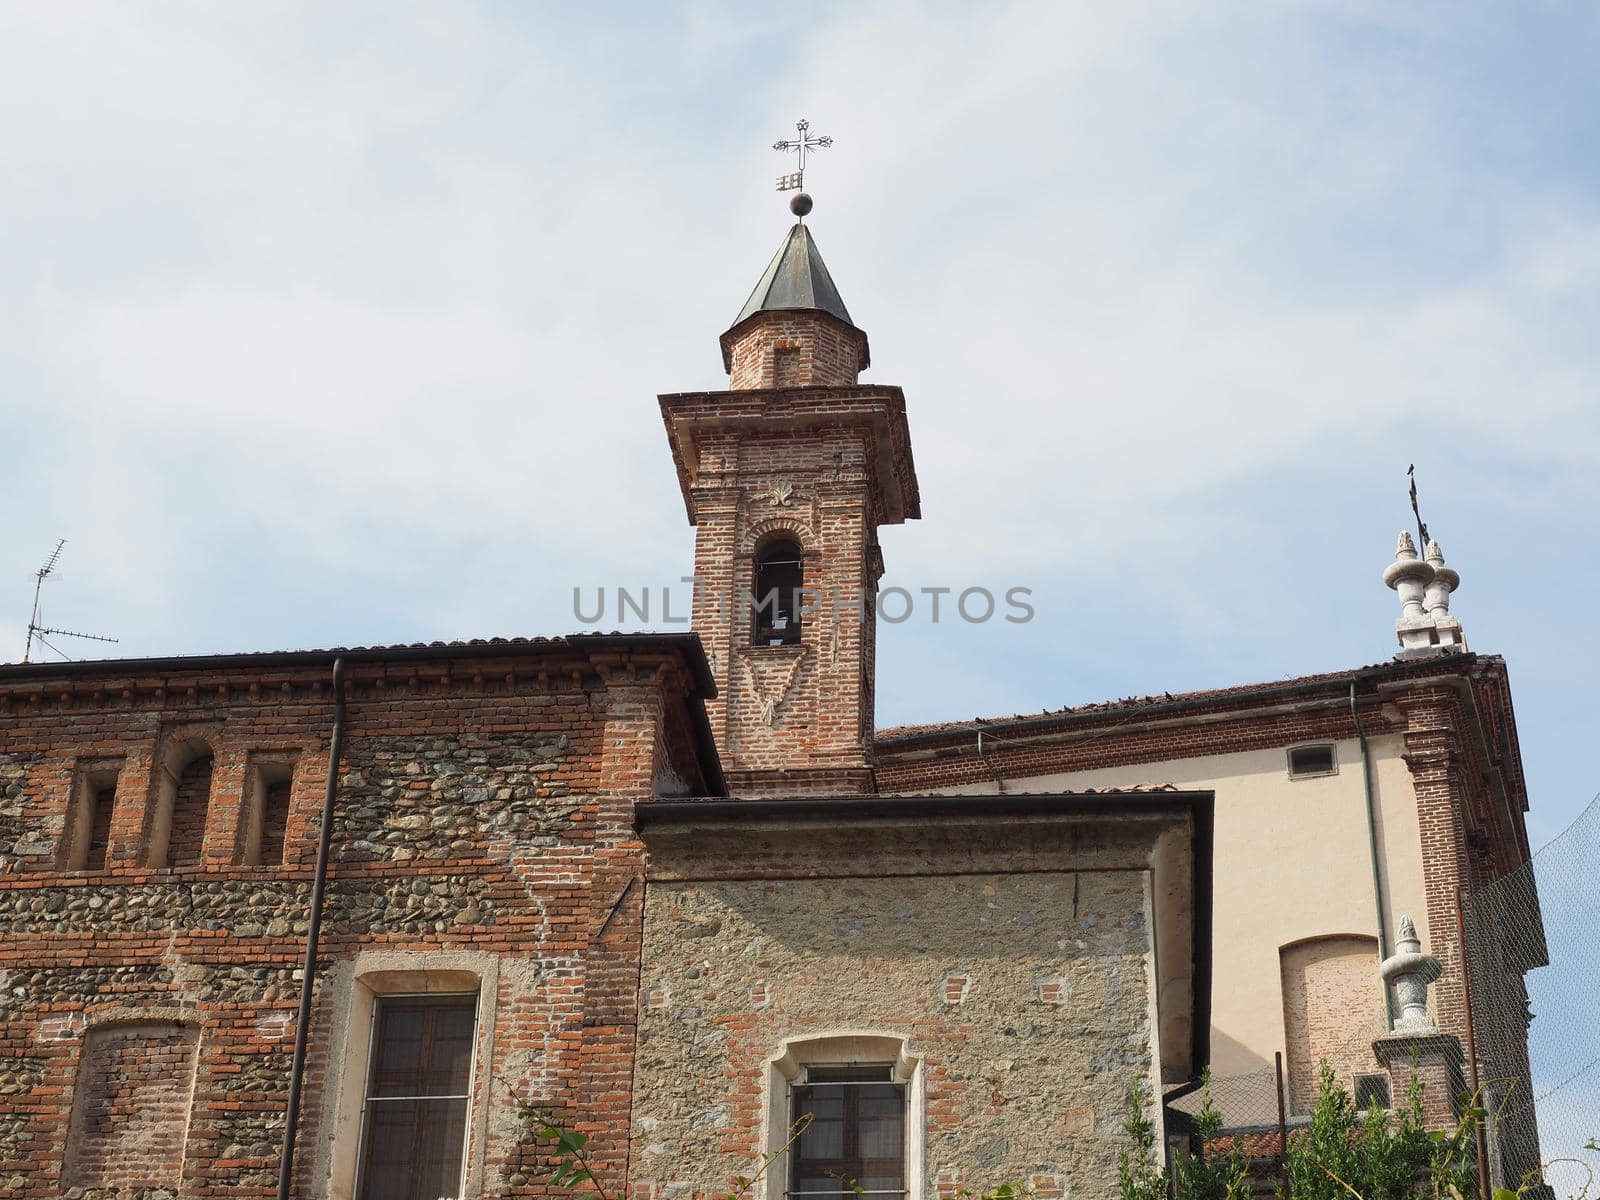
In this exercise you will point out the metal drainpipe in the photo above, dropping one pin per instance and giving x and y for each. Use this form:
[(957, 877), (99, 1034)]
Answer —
[(308, 975), (999, 783), (1372, 846)]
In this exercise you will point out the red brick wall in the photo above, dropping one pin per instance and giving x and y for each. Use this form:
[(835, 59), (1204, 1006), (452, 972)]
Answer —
[(483, 805), (792, 719), (274, 821), (133, 1084), (189, 804), (105, 800), (797, 348), (1331, 1010)]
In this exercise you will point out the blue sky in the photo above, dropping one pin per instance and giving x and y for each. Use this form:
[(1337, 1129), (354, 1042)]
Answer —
[(343, 324)]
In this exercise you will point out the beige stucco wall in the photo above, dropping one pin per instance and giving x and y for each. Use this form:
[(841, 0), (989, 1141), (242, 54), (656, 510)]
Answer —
[(1291, 861)]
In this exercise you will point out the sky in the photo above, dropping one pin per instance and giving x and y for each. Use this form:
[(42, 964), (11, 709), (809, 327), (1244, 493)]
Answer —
[(342, 324)]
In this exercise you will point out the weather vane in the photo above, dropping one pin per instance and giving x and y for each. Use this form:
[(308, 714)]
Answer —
[(798, 147)]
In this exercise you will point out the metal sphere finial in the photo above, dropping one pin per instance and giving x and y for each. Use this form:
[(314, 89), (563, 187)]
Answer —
[(800, 205)]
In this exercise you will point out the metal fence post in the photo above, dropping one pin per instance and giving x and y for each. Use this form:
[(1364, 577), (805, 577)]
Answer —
[(1479, 1135), (1283, 1125)]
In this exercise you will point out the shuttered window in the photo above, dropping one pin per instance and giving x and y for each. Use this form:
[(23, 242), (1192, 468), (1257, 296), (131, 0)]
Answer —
[(419, 1079), (855, 1142)]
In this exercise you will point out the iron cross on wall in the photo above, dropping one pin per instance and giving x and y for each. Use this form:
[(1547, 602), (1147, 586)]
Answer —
[(798, 147)]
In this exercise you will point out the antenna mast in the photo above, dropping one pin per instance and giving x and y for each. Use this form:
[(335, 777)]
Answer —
[(36, 630)]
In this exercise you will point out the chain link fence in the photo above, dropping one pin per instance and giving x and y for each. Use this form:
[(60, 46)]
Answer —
[(1250, 1106), (1533, 961), (1532, 942)]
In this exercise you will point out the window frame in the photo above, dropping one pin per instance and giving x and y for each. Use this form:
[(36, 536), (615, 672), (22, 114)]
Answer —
[(356, 986), (788, 1065), (1373, 1080), (367, 1098), (90, 780), (1333, 760), (849, 1127), (177, 754), (264, 770)]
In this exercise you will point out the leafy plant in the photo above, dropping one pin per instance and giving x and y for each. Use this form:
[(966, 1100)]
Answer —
[(1212, 1177), (1138, 1178), (1382, 1155), (1534, 1183), (572, 1169)]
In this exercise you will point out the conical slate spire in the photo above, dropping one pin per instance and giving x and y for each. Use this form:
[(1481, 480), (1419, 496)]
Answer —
[(796, 278)]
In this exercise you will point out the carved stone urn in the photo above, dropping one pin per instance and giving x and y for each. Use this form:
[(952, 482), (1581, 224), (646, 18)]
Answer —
[(1409, 972)]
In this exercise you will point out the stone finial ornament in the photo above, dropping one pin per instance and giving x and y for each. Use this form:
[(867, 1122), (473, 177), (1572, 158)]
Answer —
[(1425, 626), (1409, 576), (1409, 972), (1437, 600)]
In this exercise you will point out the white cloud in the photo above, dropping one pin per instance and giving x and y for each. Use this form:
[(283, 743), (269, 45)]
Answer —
[(382, 297)]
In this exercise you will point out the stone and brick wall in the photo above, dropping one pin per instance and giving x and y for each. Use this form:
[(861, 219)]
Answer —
[(1448, 789), (1013, 960), (485, 807)]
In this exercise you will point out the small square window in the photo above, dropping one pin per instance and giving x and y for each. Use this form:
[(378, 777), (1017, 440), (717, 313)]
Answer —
[(1311, 760), (1372, 1091)]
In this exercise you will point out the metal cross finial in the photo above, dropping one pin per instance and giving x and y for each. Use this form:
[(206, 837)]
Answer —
[(798, 147), (1422, 530)]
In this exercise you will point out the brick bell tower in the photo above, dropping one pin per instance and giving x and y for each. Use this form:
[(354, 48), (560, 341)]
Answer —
[(787, 477)]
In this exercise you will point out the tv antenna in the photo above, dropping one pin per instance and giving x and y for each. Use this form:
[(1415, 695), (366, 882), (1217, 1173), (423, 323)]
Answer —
[(38, 631)]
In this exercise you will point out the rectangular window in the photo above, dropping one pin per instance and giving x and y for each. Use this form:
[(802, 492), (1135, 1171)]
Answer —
[(1311, 760), (419, 1081), (1372, 1091), (855, 1142)]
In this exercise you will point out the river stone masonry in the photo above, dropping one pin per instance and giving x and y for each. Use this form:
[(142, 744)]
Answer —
[(19, 829), (403, 801)]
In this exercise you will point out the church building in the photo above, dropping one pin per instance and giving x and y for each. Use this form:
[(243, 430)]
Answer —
[(351, 923)]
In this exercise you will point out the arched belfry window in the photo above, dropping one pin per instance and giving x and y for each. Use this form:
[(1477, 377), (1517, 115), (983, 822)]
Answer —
[(779, 577)]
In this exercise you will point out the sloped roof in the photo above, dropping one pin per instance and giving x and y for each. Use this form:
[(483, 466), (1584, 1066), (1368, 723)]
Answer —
[(796, 278), (1448, 663)]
